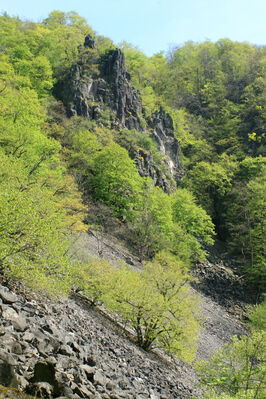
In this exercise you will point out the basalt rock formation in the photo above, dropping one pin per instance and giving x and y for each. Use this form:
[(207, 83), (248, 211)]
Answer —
[(89, 94), (85, 94)]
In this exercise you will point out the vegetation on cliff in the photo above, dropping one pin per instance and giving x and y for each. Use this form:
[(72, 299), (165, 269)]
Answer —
[(53, 166)]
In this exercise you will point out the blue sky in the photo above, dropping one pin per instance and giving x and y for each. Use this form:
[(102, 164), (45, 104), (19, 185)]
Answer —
[(155, 25)]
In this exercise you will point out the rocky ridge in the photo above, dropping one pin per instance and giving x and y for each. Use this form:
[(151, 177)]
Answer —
[(89, 95)]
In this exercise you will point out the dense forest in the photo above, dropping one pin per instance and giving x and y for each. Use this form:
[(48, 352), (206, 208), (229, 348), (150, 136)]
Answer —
[(53, 167)]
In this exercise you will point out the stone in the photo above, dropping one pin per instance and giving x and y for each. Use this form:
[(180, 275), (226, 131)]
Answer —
[(110, 89), (90, 371), (89, 42), (17, 319), (99, 378), (90, 96), (28, 336), (20, 323), (41, 389), (65, 350), (44, 372), (7, 375), (7, 296), (16, 348)]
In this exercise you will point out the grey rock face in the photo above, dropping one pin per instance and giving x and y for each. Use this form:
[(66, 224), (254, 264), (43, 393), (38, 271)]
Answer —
[(90, 96), (147, 167), (86, 97), (163, 134)]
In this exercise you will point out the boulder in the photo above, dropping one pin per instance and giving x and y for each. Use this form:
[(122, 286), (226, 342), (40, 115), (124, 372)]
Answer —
[(7, 296)]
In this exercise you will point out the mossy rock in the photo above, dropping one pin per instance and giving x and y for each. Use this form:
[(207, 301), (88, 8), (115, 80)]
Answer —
[(12, 393)]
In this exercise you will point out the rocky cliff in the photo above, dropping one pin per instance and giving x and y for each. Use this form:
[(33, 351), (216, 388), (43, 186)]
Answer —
[(87, 94)]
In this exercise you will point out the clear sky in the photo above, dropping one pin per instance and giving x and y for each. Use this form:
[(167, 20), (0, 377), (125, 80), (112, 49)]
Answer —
[(155, 25)]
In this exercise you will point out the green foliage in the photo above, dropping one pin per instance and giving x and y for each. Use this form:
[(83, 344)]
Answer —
[(153, 225), (190, 133), (83, 150), (210, 182), (172, 222), (39, 72), (193, 219), (116, 181), (158, 305), (93, 278), (238, 369), (215, 93), (132, 140), (147, 75), (246, 218), (32, 243), (257, 317), (12, 393)]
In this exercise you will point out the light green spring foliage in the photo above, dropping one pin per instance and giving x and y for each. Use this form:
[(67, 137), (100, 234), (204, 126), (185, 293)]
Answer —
[(116, 181), (238, 369), (257, 317), (12, 393), (153, 224), (172, 222), (32, 244), (213, 395), (21, 122), (158, 304), (190, 133), (246, 218), (93, 278), (215, 93), (147, 75), (156, 301), (192, 218), (39, 201), (209, 180), (39, 52)]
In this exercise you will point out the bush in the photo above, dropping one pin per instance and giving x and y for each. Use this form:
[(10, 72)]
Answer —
[(116, 181), (158, 304), (238, 369)]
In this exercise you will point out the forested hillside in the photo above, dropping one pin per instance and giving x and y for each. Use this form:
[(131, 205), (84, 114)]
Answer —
[(172, 145)]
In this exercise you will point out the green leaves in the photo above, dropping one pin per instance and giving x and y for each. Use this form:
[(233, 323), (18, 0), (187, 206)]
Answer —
[(191, 217), (238, 369), (32, 244), (156, 302), (116, 181)]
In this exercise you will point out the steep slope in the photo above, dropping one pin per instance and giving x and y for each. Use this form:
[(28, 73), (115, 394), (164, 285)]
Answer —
[(68, 349)]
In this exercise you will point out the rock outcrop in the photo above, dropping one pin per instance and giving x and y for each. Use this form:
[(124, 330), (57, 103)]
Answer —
[(86, 96), (92, 94), (163, 134)]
